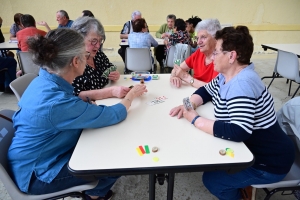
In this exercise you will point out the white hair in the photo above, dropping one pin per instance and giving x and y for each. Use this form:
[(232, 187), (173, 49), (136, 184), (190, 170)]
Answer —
[(210, 25), (135, 13)]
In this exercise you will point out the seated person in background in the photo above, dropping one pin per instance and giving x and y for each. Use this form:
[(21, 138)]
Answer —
[(41, 166), (29, 30), (164, 31), (244, 112), (180, 35), (62, 19), (140, 37), (87, 13), (8, 64), (127, 29), (200, 61), (15, 27), (191, 24), (98, 69)]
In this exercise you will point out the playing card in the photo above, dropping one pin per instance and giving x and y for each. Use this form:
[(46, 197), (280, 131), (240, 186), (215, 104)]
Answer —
[(113, 68), (187, 104)]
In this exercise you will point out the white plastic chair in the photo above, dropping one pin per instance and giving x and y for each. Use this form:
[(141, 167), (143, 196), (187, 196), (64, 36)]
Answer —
[(287, 66), (6, 134), (288, 117), (138, 59), (26, 63), (174, 53), (19, 85)]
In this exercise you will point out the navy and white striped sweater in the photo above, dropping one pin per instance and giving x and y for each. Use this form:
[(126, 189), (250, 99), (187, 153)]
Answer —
[(244, 111)]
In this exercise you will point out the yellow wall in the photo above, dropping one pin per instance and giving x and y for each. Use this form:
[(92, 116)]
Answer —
[(270, 21)]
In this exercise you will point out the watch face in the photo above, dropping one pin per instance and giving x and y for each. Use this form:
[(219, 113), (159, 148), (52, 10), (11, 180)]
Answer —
[(192, 81)]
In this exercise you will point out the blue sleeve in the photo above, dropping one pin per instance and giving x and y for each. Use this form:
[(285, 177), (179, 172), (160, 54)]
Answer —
[(230, 131), (80, 114), (202, 92), (154, 43)]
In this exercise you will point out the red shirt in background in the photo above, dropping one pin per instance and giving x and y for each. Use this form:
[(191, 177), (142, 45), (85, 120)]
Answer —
[(202, 72), (25, 33)]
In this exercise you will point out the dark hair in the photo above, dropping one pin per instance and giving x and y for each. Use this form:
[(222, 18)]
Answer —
[(194, 20), (63, 13), (87, 13), (138, 25), (171, 16), (56, 50), (180, 24), (17, 17), (237, 39), (27, 20)]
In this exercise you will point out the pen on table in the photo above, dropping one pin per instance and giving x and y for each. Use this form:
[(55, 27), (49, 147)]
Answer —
[(88, 100)]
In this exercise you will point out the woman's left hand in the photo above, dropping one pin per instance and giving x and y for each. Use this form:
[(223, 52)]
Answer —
[(114, 76), (189, 114)]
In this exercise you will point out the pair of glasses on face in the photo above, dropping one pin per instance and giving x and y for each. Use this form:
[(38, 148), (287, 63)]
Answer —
[(95, 41), (215, 53)]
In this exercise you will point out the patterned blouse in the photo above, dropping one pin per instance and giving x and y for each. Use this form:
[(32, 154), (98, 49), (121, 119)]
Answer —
[(179, 37), (92, 79)]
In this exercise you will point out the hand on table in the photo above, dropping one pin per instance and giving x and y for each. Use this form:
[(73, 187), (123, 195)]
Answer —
[(178, 110), (114, 76), (120, 91), (189, 114), (176, 81)]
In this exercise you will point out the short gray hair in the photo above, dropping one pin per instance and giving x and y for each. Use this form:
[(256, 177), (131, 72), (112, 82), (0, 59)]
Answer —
[(171, 16), (210, 25), (85, 25), (63, 13), (56, 50), (135, 13)]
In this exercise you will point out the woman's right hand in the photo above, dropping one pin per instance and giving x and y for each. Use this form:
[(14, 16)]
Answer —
[(176, 81), (138, 90)]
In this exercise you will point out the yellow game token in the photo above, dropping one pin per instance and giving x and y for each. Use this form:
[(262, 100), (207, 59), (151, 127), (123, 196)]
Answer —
[(155, 159)]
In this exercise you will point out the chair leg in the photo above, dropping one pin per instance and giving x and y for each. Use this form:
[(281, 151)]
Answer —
[(296, 91), (290, 87), (271, 82)]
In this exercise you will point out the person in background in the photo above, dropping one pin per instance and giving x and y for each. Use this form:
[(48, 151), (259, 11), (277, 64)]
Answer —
[(140, 37), (15, 27), (163, 32), (191, 24), (127, 29), (8, 67), (87, 13), (179, 35), (29, 30), (62, 19), (201, 60), (99, 71), (41, 166), (244, 112)]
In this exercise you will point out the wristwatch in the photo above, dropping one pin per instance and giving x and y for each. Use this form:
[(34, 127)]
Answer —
[(192, 81)]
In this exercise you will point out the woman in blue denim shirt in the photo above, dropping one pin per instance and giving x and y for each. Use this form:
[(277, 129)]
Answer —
[(45, 138)]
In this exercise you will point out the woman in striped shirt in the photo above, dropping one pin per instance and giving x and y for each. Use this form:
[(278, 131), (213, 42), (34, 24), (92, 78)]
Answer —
[(244, 112)]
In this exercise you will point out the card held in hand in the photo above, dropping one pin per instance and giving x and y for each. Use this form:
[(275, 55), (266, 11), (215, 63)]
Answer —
[(187, 104)]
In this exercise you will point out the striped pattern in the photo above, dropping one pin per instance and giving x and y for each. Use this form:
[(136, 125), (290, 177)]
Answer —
[(248, 113)]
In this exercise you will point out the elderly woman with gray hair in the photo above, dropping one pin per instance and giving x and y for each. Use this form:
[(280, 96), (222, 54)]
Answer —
[(98, 71), (45, 138), (200, 61)]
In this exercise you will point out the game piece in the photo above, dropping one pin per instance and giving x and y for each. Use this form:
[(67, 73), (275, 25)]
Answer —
[(222, 152), (131, 86), (187, 104), (113, 68), (142, 81), (155, 159), (154, 149), (147, 149), (177, 62), (142, 149), (155, 77), (139, 151)]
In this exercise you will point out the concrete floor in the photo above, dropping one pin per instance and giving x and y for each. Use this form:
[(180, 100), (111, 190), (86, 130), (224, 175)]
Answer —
[(188, 186)]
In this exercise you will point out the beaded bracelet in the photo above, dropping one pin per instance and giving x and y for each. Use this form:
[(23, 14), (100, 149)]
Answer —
[(193, 121)]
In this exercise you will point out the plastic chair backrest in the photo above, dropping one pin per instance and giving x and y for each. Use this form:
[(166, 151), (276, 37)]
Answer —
[(26, 63), (19, 85), (138, 59), (170, 57), (287, 65), (179, 51)]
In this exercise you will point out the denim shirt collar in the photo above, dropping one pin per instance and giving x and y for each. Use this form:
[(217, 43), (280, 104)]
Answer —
[(63, 84)]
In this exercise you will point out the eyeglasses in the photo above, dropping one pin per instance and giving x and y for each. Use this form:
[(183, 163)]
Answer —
[(95, 41), (215, 53), (203, 37)]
